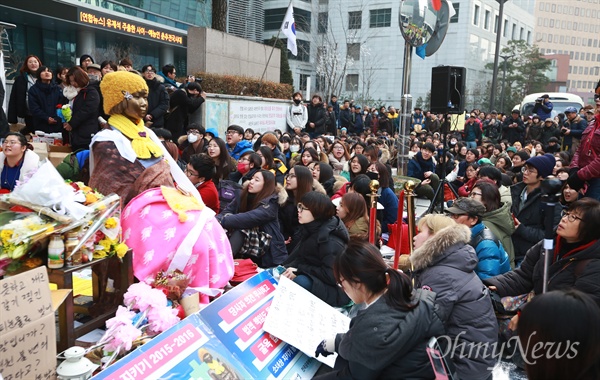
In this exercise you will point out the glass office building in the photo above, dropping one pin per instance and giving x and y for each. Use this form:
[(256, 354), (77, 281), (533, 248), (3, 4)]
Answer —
[(60, 31)]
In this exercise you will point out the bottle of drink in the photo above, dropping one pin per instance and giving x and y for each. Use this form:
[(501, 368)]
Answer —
[(72, 259), (56, 252)]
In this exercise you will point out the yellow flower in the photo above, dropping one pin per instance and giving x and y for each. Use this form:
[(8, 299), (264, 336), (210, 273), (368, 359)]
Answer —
[(121, 249), (110, 223), (105, 243), (99, 254), (6, 235)]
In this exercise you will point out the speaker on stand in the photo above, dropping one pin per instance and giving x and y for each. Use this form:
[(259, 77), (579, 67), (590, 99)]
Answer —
[(448, 89)]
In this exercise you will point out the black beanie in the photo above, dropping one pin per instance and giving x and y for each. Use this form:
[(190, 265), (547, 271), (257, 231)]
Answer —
[(84, 57)]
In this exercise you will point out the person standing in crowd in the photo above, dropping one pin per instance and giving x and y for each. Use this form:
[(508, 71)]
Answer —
[(543, 107), (492, 127), (85, 60), (4, 128), (252, 221), (183, 101), (422, 167), (527, 205), (549, 130), (513, 128), (572, 129), (472, 132), (108, 67), (388, 338), (236, 145), (43, 98), (445, 263), (323, 237), (330, 121), (200, 170), (297, 115), (168, 73), (416, 120), (587, 156), (158, 99), (387, 198), (491, 256), (346, 117), (333, 102), (85, 108), (18, 104), (534, 131)]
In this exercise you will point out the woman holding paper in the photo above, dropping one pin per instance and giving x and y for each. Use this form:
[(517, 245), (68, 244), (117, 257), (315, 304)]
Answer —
[(388, 338)]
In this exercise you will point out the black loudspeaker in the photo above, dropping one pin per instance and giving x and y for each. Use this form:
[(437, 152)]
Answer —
[(448, 89)]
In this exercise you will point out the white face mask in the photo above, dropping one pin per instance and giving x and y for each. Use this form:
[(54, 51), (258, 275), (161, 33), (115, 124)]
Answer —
[(294, 148), (70, 92), (192, 138)]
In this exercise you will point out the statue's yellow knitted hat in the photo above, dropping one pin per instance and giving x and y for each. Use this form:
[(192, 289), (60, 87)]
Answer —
[(115, 85)]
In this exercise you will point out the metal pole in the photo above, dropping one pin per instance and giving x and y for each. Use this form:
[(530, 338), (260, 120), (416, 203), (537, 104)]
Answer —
[(406, 110), (497, 53), (550, 189)]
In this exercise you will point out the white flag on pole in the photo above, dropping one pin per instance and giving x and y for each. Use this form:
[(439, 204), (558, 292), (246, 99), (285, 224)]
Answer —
[(289, 30)]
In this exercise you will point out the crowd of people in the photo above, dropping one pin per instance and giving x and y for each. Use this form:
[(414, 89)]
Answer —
[(299, 198)]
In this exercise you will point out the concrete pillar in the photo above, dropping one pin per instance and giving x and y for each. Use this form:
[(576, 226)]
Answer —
[(167, 55), (86, 42)]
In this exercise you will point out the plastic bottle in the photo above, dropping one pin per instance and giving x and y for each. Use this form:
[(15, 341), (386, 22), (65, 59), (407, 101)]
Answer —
[(56, 252)]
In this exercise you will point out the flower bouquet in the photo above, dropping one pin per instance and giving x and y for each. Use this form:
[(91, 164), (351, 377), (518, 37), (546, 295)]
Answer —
[(148, 311), (64, 112)]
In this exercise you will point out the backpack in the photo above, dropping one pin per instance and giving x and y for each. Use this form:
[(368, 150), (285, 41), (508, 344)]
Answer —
[(228, 191)]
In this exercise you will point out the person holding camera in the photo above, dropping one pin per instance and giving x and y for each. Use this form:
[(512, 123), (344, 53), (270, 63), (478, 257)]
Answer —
[(184, 101), (543, 107)]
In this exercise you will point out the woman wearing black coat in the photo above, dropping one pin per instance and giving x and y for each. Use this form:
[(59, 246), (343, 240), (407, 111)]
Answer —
[(323, 237), (252, 216), (44, 96), (18, 103), (158, 98), (84, 122)]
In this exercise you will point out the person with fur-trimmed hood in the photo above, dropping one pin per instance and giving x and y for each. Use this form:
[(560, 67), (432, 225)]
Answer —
[(252, 221), (445, 263)]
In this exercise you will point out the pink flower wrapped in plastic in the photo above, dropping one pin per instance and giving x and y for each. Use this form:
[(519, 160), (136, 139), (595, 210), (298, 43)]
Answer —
[(161, 319), (123, 316), (123, 338), (135, 292), (142, 296)]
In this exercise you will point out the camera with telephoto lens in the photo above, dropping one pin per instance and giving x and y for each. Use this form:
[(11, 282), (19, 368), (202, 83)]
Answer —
[(539, 100)]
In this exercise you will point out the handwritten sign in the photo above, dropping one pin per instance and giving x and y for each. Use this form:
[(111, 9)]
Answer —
[(260, 116), (104, 21), (299, 318), (27, 330)]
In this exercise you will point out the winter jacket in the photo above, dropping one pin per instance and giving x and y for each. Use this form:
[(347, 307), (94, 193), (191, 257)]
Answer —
[(31, 162), (264, 216), (330, 123), (389, 200), (43, 99), (587, 156), (239, 149), (321, 241), (346, 119), (85, 117), (158, 102), (492, 257), (473, 132), (181, 105), (547, 132), (534, 131), (568, 272), (577, 126), (543, 109), (513, 134), (336, 108), (316, 115), (416, 120), (296, 117), (17, 104), (432, 124), (492, 129), (359, 125), (387, 343), (417, 166), (445, 264), (531, 216), (501, 223)]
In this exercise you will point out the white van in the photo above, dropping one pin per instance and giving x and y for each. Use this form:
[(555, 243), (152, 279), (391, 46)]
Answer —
[(560, 102)]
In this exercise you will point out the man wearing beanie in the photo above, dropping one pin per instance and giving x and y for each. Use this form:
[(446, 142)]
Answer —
[(85, 60), (527, 205)]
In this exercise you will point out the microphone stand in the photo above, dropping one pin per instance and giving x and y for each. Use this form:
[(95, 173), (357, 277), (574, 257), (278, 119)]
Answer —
[(550, 195)]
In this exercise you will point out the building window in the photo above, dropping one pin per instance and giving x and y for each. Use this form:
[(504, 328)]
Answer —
[(529, 37), (576, 56), (454, 19), (352, 82), (303, 81), (274, 18), (570, 69), (323, 22), (380, 18), (496, 19), (486, 20), (476, 15), (303, 20), (521, 33), (323, 1), (505, 28), (514, 31), (355, 20), (353, 51)]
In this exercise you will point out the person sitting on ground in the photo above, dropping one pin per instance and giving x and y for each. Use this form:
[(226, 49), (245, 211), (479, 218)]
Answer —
[(236, 145), (323, 237), (422, 167), (492, 258), (201, 170), (193, 142), (352, 209), (388, 339)]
